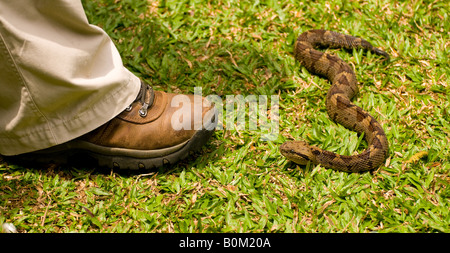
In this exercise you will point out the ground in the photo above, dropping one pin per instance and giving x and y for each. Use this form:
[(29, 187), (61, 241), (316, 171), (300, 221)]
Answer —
[(239, 182)]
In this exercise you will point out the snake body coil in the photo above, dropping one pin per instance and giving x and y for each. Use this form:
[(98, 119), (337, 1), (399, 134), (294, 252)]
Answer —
[(338, 104)]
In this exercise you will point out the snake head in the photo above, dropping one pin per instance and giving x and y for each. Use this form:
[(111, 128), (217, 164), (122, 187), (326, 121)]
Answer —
[(297, 151)]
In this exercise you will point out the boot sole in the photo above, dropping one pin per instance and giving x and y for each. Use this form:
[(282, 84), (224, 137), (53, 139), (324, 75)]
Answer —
[(73, 151), (118, 158), (133, 163)]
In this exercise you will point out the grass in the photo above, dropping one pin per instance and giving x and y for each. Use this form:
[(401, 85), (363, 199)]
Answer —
[(239, 183)]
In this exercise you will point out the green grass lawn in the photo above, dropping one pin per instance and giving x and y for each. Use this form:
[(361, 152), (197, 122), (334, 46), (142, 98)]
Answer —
[(239, 183)]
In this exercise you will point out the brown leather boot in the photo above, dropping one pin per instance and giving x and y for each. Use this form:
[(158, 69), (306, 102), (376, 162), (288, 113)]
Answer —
[(156, 129)]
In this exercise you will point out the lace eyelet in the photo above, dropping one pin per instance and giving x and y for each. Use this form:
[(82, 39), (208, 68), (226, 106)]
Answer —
[(143, 110), (142, 113)]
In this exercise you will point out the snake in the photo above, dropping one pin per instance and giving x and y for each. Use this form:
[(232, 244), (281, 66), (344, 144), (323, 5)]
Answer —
[(338, 103)]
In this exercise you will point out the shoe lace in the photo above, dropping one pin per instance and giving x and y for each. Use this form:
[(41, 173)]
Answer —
[(144, 99)]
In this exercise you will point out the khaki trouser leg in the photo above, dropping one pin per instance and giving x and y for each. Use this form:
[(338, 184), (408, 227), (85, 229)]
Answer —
[(59, 76)]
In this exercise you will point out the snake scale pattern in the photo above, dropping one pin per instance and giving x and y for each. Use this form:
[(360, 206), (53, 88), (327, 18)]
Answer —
[(338, 103)]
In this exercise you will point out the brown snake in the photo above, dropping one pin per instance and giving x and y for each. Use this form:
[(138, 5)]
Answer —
[(338, 104)]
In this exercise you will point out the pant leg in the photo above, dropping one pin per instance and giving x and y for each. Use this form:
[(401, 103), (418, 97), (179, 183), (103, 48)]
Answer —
[(60, 77)]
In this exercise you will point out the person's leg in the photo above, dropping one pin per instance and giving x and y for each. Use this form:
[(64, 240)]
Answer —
[(64, 90), (59, 76)]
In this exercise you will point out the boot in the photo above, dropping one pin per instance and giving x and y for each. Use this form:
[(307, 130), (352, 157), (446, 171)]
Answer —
[(157, 129)]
